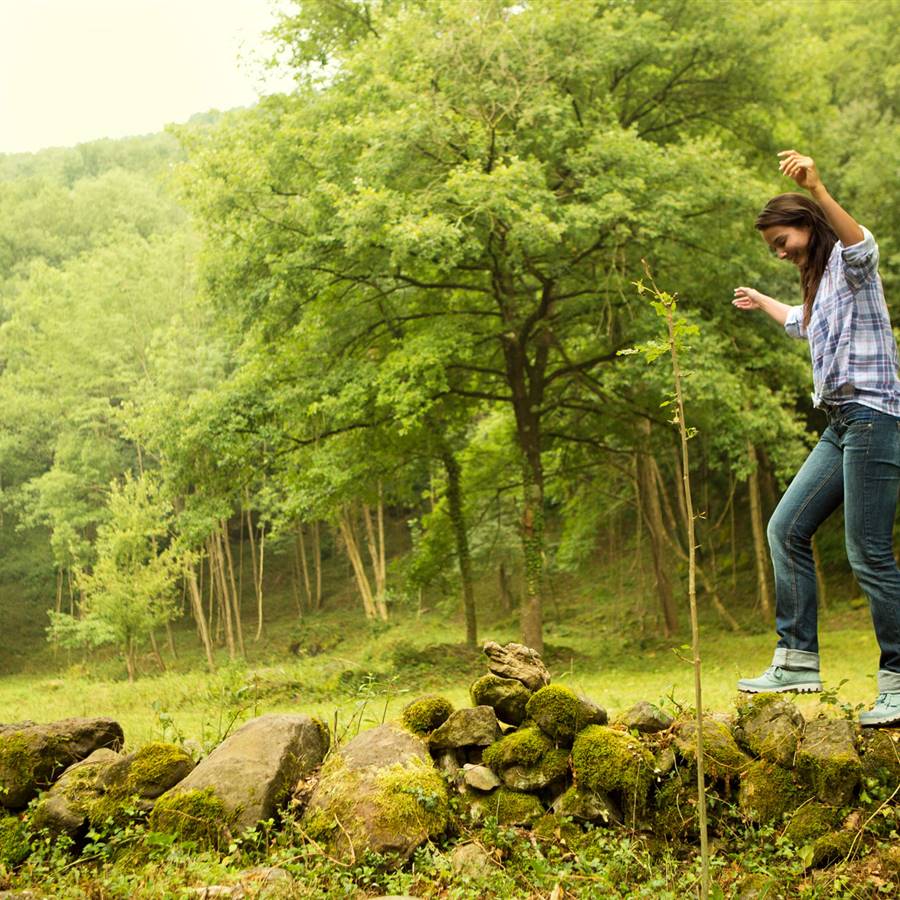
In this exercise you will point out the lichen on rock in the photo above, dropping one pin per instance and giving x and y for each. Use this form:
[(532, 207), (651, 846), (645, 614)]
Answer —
[(722, 758), (506, 696), (561, 713), (15, 846), (828, 762), (196, 815), (769, 726), (811, 821), (767, 792), (425, 714)]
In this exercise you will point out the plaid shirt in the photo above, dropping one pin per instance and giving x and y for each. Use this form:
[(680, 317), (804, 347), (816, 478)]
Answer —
[(854, 354)]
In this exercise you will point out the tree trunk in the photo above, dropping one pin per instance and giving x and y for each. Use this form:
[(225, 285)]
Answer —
[(760, 553), (345, 524), (259, 583), (217, 578), (376, 555), (155, 647), (235, 596), (533, 550), (304, 565), (130, 663), (457, 517), (651, 513), (200, 617), (507, 600), (317, 561)]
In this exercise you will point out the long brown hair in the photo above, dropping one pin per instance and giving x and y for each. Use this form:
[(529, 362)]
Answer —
[(800, 211)]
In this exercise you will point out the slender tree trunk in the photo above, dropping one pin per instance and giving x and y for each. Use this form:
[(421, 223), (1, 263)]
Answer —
[(259, 583), (155, 647), (217, 578), (651, 512), (317, 561), (295, 580), (376, 556), (200, 617), (457, 517), (304, 565), (506, 594), (760, 554), (533, 549), (235, 596), (170, 640), (345, 524), (130, 663)]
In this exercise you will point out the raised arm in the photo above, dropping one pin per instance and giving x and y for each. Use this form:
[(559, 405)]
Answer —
[(803, 170)]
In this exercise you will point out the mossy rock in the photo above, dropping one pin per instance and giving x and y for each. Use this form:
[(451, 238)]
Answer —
[(527, 760), (508, 807), (148, 772), (561, 713), (506, 696), (828, 762), (881, 757), (831, 848), (381, 794), (767, 792), (586, 806), (646, 718), (196, 816), (613, 762), (674, 812), (722, 758), (15, 847), (424, 715), (811, 821), (558, 829), (769, 726)]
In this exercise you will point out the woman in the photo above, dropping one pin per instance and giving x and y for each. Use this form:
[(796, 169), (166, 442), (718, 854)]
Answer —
[(857, 460)]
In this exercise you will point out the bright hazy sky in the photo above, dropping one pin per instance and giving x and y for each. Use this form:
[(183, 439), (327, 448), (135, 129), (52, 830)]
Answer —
[(76, 70)]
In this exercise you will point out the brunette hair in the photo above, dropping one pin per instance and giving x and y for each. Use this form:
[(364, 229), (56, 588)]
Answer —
[(800, 211)]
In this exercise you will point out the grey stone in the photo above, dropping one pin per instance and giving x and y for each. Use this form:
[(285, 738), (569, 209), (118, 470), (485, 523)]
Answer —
[(586, 806), (252, 771), (506, 696), (380, 793), (647, 718), (148, 772), (481, 778), (475, 727), (770, 728), (32, 756), (519, 662), (827, 760), (471, 861)]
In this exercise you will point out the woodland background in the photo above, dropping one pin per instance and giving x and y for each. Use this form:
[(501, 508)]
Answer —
[(355, 351)]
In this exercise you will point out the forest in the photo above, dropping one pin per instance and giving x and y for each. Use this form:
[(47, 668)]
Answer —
[(361, 356)]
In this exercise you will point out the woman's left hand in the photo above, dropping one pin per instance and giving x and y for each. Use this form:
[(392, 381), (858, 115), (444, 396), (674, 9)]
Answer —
[(801, 168)]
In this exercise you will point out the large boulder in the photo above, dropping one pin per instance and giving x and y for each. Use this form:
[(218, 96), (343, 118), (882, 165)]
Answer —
[(33, 755), (769, 726), (828, 762), (527, 760), (561, 713), (519, 662), (381, 793), (64, 808), (506, 696), (250, 774), (475, 727)]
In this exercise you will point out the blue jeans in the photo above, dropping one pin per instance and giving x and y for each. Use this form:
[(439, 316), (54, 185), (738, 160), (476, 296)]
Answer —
[(857, 463)]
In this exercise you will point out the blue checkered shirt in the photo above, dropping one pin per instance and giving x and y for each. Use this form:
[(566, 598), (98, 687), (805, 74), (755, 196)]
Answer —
[(854, 354)]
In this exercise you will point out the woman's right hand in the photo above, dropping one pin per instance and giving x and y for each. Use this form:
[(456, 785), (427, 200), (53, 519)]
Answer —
[(747, 298)]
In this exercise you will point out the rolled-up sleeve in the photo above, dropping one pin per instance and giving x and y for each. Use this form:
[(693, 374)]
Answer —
[(793, 324), (860, 260)]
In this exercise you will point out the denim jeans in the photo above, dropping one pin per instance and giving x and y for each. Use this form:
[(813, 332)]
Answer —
[(857, 463)]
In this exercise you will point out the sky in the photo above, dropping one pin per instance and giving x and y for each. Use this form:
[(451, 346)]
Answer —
[(73, 71)]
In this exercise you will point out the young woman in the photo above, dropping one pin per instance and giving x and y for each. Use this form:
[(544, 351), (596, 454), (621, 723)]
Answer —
[(857, 460)]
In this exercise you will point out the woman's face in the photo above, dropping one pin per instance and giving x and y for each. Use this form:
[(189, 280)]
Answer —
[(788, 242)]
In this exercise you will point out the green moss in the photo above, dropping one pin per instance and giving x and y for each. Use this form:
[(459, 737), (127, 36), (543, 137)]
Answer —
[(142, 774), (16, 762), (767, 792), (14, 845), (513, 807), (675, 807), (554, 828), (525, 747), (881, 758), (324, 732), (811, 821), (831, 847), (561, 713), (198, 816), (834, 777), (424, 715), (613, 762), (722, 758), (412, 797)]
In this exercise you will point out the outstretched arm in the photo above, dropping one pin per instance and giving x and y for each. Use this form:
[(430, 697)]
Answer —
[(749, 298), (803, 170)]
